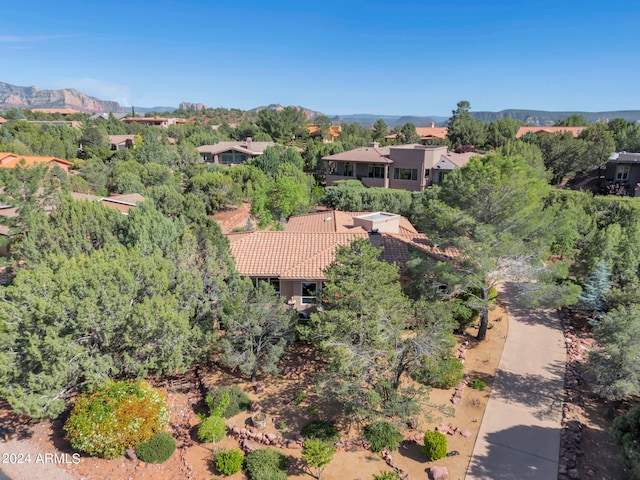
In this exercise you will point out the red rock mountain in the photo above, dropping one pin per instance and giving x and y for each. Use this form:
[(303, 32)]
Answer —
[(12, 96)]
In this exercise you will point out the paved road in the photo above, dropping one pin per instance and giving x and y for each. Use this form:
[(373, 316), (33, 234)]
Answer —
[(519, 436)]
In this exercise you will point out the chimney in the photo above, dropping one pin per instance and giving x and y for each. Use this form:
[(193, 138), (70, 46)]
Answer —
[(375, 237), (374, 144), (433, 124), (249, 143)]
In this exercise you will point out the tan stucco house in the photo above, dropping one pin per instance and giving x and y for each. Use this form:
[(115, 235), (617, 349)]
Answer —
[(293, 260), (408, 167), (233, 153)]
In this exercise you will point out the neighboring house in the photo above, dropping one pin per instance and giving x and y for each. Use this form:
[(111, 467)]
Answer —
[(161, 122), (6, 211), (233, 153), (429, 133), (293, 260), (62, 111), (105, 115), (122, 203), (120, 142), (624, 168), (408, 167), (575, 131), (327, 137), (2, 121), (11, 160)]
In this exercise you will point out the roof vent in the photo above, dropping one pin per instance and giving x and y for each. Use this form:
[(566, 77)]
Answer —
[(328, 219)]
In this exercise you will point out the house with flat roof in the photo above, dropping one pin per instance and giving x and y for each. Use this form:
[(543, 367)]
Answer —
[(293, 260), (411, 167), (121, 142), (233, 153), (161, 122), (624, 168)]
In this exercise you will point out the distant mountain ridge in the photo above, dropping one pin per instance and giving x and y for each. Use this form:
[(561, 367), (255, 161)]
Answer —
[(545, 118), (12, 96)]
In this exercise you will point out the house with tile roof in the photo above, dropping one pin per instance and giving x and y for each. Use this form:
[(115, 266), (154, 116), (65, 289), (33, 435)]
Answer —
[(12, 160), (411, 167), (293, 260), (233, 153), (575, 131)]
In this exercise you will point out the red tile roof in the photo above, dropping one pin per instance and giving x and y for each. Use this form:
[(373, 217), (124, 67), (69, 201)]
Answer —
[(575, 131), (308, 245), (11, 160)]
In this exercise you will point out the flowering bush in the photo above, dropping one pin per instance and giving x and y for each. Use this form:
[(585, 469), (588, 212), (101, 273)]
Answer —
[(116, 417)]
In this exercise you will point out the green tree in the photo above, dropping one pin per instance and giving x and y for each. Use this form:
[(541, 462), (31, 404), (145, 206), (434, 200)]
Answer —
[(76, 322), (614, 365), (380, 130), (626, 433), (491, 212), (574, 120), (257, 327), (563, 155), (502, 131), (318, 454), (463, 129), (283, 125), (408, 134), (362, 330)]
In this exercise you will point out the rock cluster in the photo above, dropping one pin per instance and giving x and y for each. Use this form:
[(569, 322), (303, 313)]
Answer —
[(247, 437), (388, 459), (572, 407), (452, 430)]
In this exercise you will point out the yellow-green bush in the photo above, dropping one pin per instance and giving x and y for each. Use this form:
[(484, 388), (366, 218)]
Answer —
[(435, 445), (116, 417)]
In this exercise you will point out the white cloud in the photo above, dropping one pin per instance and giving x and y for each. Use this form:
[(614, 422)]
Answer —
[(33, 38), (100, 89)]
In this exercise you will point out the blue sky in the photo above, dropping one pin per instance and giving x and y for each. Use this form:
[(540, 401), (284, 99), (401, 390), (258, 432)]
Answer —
[(369, 56)]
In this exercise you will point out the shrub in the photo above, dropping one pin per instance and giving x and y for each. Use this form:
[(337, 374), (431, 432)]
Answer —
[(386, 475), (229, 461), (382, 435), (626, 433), (266, 464), (116, 417), (318, 454), (321, 430), (441, 372), (435, 445), (157, 449), (477, 384), (238, 401), (212, 429)]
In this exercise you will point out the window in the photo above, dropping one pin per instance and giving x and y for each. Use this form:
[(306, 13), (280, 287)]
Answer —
[(405, 173), (309, 292), (376, 171), (274, 282), (227, 158), (347, 169), (622, 173)]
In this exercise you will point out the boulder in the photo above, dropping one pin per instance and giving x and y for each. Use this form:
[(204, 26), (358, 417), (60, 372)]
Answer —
[(438, 473)]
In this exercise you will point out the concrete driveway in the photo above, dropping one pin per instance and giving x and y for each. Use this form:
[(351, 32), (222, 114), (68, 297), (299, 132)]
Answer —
[(519, 437)]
